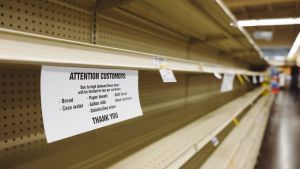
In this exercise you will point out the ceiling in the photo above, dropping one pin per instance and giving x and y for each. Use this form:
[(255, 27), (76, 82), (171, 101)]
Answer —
[(283, 36)]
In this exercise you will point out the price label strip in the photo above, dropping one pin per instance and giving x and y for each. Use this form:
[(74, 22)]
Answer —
[(235, 121), (241, 79), (159, 62), (246, 78)]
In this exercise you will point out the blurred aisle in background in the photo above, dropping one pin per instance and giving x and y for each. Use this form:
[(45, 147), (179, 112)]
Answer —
[(281, 146)]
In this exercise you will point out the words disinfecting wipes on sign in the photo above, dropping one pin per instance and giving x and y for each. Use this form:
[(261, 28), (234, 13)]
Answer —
[(77, 100)]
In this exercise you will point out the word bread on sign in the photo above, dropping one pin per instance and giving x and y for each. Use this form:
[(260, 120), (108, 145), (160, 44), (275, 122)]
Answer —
[(77, 100)]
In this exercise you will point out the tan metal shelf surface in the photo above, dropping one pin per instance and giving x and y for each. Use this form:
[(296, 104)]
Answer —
[(255, 145), (20, 47), (234, 152), (177, 148)]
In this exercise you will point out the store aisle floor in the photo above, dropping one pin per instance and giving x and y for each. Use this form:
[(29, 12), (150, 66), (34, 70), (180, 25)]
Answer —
[(281, 144)]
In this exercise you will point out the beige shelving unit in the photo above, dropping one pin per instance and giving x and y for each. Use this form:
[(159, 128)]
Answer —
[(177, 148), (196, 38), (25, 48), (240, 146)]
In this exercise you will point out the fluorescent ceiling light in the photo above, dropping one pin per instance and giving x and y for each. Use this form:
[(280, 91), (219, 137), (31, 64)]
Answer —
[(294, 49), (279, 58), (276, 63), (269, 22), (276, 58), (263, 35)]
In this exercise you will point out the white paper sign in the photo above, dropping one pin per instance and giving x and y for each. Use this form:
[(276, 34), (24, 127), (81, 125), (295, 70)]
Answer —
[(254, 79), (261, 78), (77, 100), (218, 75), (159, 62), (167, 75), (214, 140), (227, 83)]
